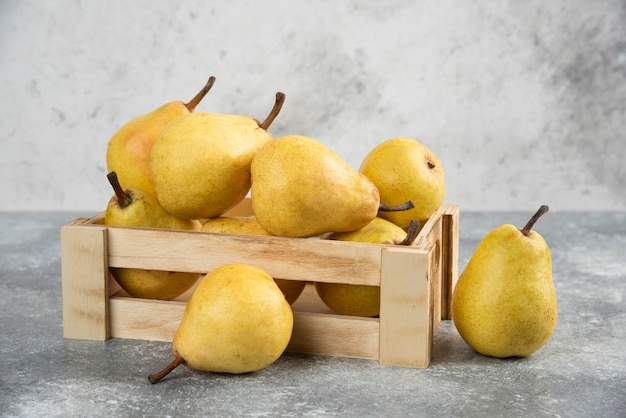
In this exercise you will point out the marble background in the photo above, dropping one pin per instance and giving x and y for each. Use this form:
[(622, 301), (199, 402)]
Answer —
[(524, 102)]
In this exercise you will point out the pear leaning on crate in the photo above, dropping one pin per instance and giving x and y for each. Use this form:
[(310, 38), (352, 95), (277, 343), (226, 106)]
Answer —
[(363, 300), (302, 188), (292, 289), (404, 169), (136, 208), (200, 162), (504, 303), (236, 321), (128, 150)]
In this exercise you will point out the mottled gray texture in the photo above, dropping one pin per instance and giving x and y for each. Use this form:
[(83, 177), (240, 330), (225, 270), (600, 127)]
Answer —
[(525, 102), (579, 373)]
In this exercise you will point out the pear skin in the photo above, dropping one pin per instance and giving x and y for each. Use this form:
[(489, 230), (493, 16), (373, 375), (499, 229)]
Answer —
[(136, 208), (128, 150), (362, 300), (301, 188), (404, 169), (200, 162), (236, 321), (292, 289), (504, 303), (234, 225)]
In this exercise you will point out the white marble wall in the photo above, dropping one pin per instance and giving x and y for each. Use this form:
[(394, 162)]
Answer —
[(524, 102)]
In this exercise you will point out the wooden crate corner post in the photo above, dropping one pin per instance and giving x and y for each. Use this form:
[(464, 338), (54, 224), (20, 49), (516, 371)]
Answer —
[(84, 278), (406, 308)]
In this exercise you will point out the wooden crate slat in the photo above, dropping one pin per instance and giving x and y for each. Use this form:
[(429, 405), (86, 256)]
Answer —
[(284, 258), (334, 335), (142, 319), (313, 333), (449, 257)]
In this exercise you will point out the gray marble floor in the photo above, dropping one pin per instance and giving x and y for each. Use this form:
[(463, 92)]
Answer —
[(579, 373)]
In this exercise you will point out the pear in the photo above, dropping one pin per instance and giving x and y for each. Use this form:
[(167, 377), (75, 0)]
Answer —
[(234, 225), (236, 321), (136, 208), (404, 169), (201, 161), (128, 150), (504, 303), (302, 188), (292, 289), (363, 300)]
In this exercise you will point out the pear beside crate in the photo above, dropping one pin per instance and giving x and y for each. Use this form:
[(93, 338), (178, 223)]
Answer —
[(416, 284)]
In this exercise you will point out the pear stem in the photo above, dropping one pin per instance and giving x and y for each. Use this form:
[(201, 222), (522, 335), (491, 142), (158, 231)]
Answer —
[(398, 208), (542, 210), (124, 199), (156, 377), (191, 105), (414, 227), (278, 104)]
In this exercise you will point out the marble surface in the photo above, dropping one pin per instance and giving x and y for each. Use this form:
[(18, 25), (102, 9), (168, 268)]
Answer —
[(579, 373), (524, 102)]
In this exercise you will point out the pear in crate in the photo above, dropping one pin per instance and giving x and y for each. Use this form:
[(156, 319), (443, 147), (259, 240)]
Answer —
[(504, 303), (301, 188), (236, 321), (136, 208), (292, 289), (404, 169), (128, 150), (363, 300), (201, 161)]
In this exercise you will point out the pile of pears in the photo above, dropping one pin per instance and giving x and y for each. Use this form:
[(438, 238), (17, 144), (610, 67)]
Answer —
[(178, 168), (183, 169)]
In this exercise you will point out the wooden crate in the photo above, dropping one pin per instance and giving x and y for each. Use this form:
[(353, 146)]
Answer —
[(416, 284)]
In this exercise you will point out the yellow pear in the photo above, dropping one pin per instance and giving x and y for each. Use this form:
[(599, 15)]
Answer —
[(302, 188), (136, 208), (128, 150), (504, 303), (234, 225), (363, 300), (201, 161), (404, 169), (236, 321), (292, 289)]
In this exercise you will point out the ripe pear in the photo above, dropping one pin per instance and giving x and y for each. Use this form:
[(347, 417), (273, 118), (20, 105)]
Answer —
[(363, 300), (292, 289), (136, 208), (236, 321), (128, 150), (234, 225), (404, 169), (504, 303), (302, 188), (201, 161)]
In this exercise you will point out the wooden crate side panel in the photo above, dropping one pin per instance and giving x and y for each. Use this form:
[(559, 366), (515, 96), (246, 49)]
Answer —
[(283, 258), (406, 309), (84, 281)]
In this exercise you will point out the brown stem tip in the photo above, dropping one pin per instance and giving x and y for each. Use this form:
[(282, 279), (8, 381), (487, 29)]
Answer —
[(124, 199), (191, 105), (278, 104), (542, 210), (414, 227), (398, 208), (156, 377)]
